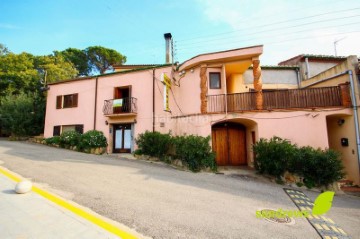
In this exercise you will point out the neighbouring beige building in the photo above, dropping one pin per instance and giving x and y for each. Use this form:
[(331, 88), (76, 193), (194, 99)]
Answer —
[(228, 95)]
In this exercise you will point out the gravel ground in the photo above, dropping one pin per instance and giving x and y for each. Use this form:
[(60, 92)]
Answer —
[(161, 202)]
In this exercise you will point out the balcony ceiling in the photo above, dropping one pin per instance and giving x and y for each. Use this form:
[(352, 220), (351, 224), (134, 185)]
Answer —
[(238, 67)]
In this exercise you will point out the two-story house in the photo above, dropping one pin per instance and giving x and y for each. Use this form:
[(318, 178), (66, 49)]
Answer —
[(226, 95)]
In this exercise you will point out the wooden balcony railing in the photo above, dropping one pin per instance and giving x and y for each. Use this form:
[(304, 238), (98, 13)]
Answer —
[(120, 106), (278, 99)]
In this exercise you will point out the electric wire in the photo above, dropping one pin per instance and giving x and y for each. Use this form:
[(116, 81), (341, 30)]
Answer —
[(279, 22)]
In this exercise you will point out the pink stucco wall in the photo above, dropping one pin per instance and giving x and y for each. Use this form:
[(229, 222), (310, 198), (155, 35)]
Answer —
[(83, 114)]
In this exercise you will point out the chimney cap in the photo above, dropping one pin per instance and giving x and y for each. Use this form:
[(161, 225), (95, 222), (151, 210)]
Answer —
[(167, 36)]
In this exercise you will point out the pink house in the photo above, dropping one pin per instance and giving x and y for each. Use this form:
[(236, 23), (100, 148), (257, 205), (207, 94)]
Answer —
[(226, 95)]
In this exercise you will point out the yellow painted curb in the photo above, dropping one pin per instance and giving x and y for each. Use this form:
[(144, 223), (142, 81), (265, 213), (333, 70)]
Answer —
[(78, 211)]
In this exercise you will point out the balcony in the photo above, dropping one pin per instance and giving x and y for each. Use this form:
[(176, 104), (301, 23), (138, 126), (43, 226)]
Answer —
[(279, 99), (120, 107)]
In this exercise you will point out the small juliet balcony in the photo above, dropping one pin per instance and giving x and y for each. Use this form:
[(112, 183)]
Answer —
[(120, 107), (294, 99)]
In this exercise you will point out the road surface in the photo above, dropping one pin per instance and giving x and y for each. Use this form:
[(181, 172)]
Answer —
[(161, 202)]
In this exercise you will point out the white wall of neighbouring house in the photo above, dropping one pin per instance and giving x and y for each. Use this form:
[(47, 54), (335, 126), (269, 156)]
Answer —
[(273, 78)]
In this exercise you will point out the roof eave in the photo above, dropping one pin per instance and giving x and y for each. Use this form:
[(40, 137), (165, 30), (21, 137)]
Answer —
[(223, 56)]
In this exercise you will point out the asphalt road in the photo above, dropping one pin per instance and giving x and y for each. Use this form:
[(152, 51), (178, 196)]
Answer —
[(161, 202)]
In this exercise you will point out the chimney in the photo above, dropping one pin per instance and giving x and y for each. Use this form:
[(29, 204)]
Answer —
[(168, 42)]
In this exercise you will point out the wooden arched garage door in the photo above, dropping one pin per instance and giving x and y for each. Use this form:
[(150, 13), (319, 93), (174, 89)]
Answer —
[(229, 144)]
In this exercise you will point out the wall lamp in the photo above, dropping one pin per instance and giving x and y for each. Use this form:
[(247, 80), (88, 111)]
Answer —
[(341, 122)]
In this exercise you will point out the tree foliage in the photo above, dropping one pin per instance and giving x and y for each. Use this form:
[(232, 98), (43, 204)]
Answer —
[(102, 59), (22, 78), (22, 102), (56, 67), (92, 60), (16, 73), (21, 115), (78, 58)]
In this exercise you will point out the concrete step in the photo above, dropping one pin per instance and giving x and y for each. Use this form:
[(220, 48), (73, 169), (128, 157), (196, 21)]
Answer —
[(345, 183)]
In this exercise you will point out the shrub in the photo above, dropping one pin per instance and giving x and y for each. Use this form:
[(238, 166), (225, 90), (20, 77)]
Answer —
[(92, 139), (154, 143), (195, 152), (69, 138), (273, 156), (53, 140), (138, 152), (317, 167)]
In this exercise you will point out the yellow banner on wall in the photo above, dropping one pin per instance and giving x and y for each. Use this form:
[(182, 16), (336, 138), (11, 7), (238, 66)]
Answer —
[(167, 86)]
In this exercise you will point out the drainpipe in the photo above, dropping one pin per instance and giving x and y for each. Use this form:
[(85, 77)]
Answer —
[(96, 90), (356, 119), (307, 68), (224, 74), (153, 103), (298, 77)]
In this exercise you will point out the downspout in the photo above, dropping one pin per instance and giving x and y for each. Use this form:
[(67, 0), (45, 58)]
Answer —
[(95, 108), (356, 119), (153, 103), (307, 68), (224, 74), (298, 77)]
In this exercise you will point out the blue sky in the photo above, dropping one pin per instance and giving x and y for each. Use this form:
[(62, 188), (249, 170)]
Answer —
[(136, 28)]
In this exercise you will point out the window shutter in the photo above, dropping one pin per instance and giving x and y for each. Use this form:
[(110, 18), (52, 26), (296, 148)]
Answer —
[(75, 100), (79, 128), (57, 130), (59, 102)]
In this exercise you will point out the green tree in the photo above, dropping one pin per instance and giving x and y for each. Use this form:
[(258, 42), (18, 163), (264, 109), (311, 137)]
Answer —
[(102, 59), (56, 66), (20, 115), (78, 58), (16, 72), (22, 100)]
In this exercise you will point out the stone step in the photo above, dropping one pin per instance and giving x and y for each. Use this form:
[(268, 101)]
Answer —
[(345, 183)]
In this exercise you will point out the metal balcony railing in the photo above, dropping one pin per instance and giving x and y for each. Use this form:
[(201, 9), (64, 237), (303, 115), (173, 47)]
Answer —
[(120, 106)]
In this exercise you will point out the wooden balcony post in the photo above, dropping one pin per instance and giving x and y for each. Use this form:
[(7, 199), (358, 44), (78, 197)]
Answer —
[(345, 94), (258, 84), (203, 89)]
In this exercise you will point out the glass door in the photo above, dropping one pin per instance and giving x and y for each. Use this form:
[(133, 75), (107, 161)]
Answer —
[(122, 138)]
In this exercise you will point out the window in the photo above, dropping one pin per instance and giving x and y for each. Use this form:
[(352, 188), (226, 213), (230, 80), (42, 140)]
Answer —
[(70, 101), (58, 129), (66, 101), (215, 80)]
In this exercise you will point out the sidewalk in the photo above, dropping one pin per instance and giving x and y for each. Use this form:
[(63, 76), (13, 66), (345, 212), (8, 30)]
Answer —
[(25, 216)]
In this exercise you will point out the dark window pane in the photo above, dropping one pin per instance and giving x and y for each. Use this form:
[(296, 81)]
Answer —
[(79, 128), (75, 100), (56, 131), (70, 100), (215, 80)]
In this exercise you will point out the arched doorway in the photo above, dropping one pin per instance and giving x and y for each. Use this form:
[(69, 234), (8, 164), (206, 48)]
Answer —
[(229, 144)]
